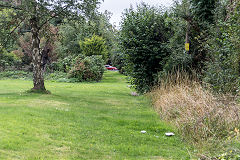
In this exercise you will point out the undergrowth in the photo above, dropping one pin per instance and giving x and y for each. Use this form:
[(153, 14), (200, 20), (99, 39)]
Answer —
[(207, 121), (15, 75), (56, 76)]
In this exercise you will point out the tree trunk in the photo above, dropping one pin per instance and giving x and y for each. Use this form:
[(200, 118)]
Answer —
[(38, 79)]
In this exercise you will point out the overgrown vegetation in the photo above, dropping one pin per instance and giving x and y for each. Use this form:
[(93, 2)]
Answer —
[(198, 108), (57, 34), (202, 118), (72, 45), (211, 27), (223, 70)]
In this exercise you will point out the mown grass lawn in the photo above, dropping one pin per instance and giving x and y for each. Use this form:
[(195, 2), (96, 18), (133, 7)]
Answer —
[(82, 121)]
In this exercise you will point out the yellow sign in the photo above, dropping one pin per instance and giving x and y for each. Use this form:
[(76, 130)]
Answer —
[(187, 46)]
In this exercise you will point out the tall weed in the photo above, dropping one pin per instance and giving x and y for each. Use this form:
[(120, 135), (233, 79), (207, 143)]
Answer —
[(199, 115)]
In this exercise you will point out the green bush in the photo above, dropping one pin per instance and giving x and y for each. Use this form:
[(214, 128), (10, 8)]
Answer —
[(179, 59), (195, 58), (87, 69), (55, 76), (15, 75), (223, 71), (62, 65), (222, 77), (8, 59), (94, 46), (143, 39)]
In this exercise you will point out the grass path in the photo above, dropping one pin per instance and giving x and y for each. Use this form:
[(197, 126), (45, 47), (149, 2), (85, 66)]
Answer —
[(82, 121)]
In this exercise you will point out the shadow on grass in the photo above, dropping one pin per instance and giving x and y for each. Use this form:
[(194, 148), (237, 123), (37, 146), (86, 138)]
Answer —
[(38, 91)]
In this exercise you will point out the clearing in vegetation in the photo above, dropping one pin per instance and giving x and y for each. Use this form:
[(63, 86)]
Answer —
[(82, 121)]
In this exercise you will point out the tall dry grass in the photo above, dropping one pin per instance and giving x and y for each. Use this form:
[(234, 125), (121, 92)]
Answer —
[(198, 114)]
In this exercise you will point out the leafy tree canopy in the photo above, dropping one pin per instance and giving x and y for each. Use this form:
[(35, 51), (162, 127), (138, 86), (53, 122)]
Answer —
[(23, 12), (37, 14)]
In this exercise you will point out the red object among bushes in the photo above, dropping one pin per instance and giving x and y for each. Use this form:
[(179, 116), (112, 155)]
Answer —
[(108, 67)]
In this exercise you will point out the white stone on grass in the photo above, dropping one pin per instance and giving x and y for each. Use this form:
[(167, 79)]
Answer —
[(169, 134), (143, 131), (134, 94)]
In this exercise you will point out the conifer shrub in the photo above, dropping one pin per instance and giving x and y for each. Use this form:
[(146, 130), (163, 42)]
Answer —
[(94, 46)]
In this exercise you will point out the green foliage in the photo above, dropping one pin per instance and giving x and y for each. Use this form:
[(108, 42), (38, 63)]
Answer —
[(178, 59), (73, 31), (194, 14), (230, 155), (203, 10), (117, 60), (223, 71), (6, 25), (200, 18), (222, 76), (68, 40), (15, 75), (55, 76), (88, 69), (94, 46), (100, 25), (8, 59), (62, 65), (42, 12), (143, 39)]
